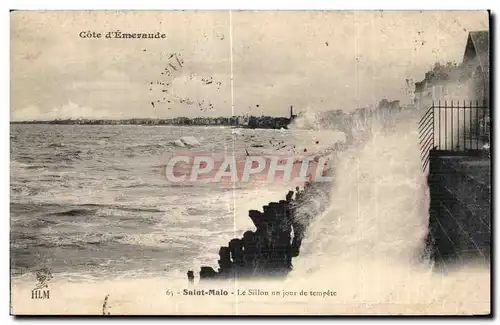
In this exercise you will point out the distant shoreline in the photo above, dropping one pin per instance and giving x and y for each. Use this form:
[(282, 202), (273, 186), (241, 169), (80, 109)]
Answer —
[(120, 124), (265, 122), (111, 123), (145, 124)]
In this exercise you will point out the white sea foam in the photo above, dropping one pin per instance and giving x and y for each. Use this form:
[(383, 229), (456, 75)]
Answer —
[(369, 243)]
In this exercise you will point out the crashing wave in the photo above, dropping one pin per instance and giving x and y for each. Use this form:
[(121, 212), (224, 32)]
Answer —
[(187, 141)]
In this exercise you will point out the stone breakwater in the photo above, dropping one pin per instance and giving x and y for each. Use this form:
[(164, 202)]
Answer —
[(267, 251)]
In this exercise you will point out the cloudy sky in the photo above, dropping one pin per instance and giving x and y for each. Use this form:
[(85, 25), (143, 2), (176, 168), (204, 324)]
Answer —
[(312, 60)]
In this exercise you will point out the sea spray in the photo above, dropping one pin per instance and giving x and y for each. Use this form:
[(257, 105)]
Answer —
[(379, 199), (369, 244)]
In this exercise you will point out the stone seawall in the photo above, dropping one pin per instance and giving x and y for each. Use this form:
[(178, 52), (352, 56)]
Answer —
[(460, 207)]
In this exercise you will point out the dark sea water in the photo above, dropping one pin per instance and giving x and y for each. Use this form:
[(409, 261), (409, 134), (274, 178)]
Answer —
[(91, 200)]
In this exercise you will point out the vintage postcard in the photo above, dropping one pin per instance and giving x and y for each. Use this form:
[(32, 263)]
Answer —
[(250, 163)]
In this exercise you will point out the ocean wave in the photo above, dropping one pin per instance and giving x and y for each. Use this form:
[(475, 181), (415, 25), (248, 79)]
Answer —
[(140, 209), (178, 143), (144, 185), (120, 169), (187, 141), (40, 223), (21, 189), (197, 211), (56, 145), (41, 167), (19, 164), (144, 146), (73, 213)]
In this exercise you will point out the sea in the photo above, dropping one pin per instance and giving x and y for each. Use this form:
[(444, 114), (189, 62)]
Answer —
[(90, 203)]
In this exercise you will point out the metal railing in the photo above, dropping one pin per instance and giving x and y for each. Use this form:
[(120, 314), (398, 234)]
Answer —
[(457, 126), (426, 135)]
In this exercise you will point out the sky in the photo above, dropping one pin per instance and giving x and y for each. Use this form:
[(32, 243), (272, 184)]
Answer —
[(313, 60)]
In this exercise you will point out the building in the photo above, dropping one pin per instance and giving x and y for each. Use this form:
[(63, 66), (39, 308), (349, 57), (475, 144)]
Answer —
[(476, 64), (438, 84), (269, 122), (468, 80)]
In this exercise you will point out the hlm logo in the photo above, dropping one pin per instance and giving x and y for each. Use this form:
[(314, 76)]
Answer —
[(41, 290)]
